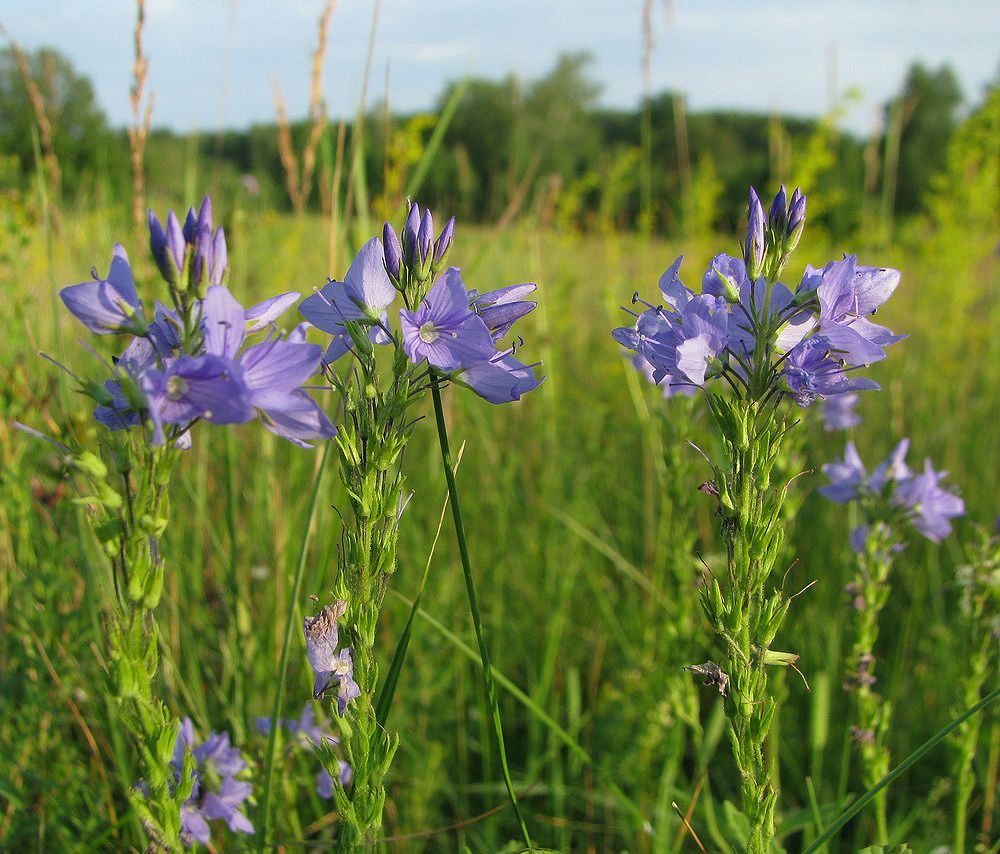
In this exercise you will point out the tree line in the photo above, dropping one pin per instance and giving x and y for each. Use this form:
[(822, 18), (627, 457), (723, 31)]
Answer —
[(508, 145)]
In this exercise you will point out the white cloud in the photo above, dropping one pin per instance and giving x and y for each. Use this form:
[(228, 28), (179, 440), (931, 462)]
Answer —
[(440, 52)]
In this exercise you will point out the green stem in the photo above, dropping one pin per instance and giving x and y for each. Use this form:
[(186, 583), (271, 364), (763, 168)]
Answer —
[(265, 804), (968, 738), (873, 711), (484, 654), (901, 769)]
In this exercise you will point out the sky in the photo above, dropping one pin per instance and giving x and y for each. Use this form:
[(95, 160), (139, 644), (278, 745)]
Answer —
[(215, 63)]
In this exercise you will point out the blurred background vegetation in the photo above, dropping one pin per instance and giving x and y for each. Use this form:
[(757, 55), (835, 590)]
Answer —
[(509, 145)]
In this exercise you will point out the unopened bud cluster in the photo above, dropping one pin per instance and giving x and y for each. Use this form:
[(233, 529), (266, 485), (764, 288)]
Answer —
[(414, 257), (771, 239)]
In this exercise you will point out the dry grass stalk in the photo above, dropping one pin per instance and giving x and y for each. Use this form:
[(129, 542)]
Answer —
[(138, 133), (334, 209), (286, 150), (300, 186), (317, 104), (42, 119), (358, 130)]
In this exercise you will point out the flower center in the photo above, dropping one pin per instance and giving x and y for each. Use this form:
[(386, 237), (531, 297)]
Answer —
[(428, 333), (176, 388)]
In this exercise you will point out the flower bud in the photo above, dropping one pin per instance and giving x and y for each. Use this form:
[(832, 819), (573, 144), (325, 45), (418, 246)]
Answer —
[(175, 240), (410, 227), (190, 230), (219, 256), (753, 248), (779, 212), (442, 246), (202, 260), (97, 392), (205, 214), (425, 242), (158, 248), (133, 393), (730, 290), (393, 252), (359, 337), (796, 220)]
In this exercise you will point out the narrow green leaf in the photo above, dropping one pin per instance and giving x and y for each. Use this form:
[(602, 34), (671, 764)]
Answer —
[(901, 769), (279, 691)]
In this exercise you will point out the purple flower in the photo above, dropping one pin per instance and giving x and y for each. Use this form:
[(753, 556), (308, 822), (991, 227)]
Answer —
[(680, 344), (343, 673), (260, 315), (859, 538), (916, 498), (930, 506), (209, 255), (847, 294), (500, 379), (893, 471), (812, 370), (191, 387), (272, 371), (444, 330), (648, 371), (330, 664), (225, 805), (364, 295), (859, 541), (311, 734), (217, 751), (726, 277), (108, 305), (218, 756), (698, 337), (118, 414), (790, 326), (502, 308), (838, 412), (846, 477)]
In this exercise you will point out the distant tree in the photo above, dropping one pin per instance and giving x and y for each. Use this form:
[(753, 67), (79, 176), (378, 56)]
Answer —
[(483, 127), (557, 132), (929, 102), (80, 137)]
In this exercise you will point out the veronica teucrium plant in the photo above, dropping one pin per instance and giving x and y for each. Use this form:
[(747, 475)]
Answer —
[(756, 349), (893, 502), (182, 363), (402, 323)]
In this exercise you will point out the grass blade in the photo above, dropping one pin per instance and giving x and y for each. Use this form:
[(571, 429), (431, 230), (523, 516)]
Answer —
[(484, 652), (265, 804), (901, 769), (437, 137)]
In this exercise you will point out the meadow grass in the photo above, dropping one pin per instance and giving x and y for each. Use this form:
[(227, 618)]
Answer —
[(556, 496)]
